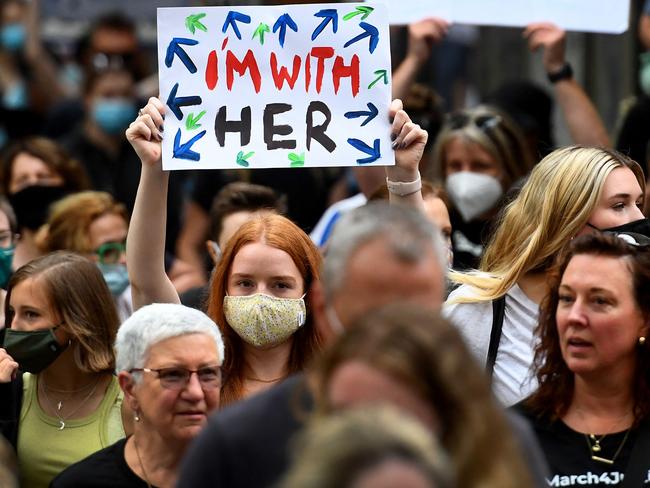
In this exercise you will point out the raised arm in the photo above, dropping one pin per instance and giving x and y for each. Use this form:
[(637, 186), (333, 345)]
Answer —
[(582, 118), (145, 244), (422, 36), (403, 179)]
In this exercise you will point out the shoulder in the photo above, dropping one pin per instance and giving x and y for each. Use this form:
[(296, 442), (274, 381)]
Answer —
[(467, 315), (101, 469)]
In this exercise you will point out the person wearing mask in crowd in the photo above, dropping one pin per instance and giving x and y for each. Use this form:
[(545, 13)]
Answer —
[(8, 238), (94, 225), (28, 81), (235, 204), (169, 361), (592, 407), (375, 447), (410, 358), (34, 173), (572, 191), (60, 399)]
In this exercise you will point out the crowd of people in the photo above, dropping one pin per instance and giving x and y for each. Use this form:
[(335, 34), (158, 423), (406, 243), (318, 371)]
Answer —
[(475, 316)]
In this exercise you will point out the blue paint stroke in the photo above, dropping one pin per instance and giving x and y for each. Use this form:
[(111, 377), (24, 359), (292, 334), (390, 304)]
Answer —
[(282, 23), (184, 151), (374, 152), (368, 31), (175, 103), (328, 15), (175, 48), (231, 20), (370, 114)]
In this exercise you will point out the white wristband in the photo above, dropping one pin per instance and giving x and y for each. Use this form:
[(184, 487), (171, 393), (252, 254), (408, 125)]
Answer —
[(404, 188)]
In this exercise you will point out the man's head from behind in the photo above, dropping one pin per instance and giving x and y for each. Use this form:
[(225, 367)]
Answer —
[(379, 254)]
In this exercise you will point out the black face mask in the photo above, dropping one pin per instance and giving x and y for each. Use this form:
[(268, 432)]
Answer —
[(32, 350), (32, 204), (641, 226)]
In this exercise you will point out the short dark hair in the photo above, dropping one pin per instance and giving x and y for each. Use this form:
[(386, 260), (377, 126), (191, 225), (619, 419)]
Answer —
[(240, 196)]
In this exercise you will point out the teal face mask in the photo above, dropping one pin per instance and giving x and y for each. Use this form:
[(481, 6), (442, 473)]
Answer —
[(32, 350), (6, 260), (116, 277), (113, 115), (13, 37)]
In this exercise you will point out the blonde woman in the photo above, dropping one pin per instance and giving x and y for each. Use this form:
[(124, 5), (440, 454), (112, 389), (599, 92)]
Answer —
[(572, 191)]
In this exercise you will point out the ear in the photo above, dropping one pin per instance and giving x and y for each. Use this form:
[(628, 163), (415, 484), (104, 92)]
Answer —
[(127, 384), (317, 306)]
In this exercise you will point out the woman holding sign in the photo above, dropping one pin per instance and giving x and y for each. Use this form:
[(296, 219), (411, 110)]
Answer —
[(259, 290)]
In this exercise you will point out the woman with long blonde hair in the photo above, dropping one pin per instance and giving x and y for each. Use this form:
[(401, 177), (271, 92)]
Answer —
[(572, 191)]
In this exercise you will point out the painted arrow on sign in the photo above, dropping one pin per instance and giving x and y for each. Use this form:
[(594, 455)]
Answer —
[(193, 22), (231, 20), (328, 15), (175, 103), (363, 11), (282, 23), (382, 74), (260, 31), (175, 49), (184, 151), (370, 114), (368, 31), (374, 153)]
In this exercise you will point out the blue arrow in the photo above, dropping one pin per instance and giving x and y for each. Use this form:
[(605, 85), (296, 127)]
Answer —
[(175, 103), (232, 18), (184, 151), (282, 24), (175, 48), (373, 152), (368, 31), (328, 14), (371, 114)]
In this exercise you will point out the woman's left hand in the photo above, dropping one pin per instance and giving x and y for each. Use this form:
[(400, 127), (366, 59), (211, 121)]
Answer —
[(408, 141)]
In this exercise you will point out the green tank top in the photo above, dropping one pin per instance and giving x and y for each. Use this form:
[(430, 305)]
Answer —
[(44, 450)]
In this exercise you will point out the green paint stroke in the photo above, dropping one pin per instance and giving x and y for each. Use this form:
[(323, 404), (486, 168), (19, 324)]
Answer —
[(260, 31), (191, 123), (363, 11), (297, 160), (382, 74), (242, 159), (193, 22)]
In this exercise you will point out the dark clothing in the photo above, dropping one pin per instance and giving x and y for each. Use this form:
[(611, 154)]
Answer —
[(570, 458), (248, 444), (634, 137), (468, 240), (196, 298), (104, 469), (120, 175), (11, 400)]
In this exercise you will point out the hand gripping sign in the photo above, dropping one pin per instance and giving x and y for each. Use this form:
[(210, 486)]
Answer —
[(275, 86)]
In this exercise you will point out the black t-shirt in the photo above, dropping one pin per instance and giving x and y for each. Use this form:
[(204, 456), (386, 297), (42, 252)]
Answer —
[(570, 459), (104, 469)]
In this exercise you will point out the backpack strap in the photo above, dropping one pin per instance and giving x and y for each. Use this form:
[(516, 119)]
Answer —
[(498, 313), (637, 467)]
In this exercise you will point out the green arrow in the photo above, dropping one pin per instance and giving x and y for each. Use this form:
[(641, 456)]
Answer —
[(297, 160), (191, 123), (382, 74), (242, 159), (261, 29), (363, 11), (193, 22)]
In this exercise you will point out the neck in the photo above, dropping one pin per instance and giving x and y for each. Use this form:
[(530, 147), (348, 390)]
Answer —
[(267, 364), (63, 374), (160, 458), (101, 139), (534, 286)]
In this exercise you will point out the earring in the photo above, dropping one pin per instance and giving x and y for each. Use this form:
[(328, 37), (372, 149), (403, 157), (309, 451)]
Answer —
[(641, 341), (136, 417)]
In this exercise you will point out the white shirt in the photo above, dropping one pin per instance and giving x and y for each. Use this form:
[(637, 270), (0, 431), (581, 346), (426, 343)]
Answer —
[(512, 378)]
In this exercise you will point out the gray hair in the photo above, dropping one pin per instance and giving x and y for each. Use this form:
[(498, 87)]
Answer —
[(406, 231), (155, 323)]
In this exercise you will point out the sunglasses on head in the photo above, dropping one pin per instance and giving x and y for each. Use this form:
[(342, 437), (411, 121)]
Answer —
[(458, 120)]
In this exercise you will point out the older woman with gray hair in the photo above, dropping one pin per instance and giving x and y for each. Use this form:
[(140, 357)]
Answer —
[(169, 366)]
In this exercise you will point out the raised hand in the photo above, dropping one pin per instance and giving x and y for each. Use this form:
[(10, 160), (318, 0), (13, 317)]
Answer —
[(8, 367), (552, 40), (408, 141), (145, 132)]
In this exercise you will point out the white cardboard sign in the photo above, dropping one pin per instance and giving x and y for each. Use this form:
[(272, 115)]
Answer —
[(604, 16), (275, 86)]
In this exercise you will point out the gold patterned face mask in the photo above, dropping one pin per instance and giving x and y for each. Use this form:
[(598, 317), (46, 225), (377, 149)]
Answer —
[(262, 320)]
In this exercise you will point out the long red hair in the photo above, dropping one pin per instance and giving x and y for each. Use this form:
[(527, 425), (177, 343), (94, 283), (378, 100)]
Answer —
[(279, 232)]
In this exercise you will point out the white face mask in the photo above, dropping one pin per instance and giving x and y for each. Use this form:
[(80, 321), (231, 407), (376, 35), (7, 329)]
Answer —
[(473, 194)]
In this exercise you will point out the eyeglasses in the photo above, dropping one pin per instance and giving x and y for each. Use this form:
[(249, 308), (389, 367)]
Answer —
[(458, 120), (111, 252), (178, 378)]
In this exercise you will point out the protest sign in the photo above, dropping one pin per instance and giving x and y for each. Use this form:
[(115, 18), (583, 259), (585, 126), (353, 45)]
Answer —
[(275, 87), (604, 16)]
